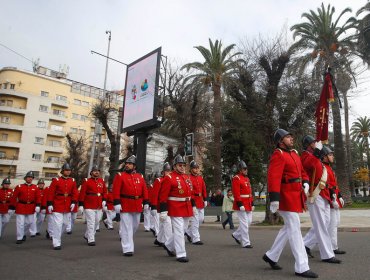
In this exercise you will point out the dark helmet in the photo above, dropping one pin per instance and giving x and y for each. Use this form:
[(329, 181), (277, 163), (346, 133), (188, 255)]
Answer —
[(307, 140), (166, 167), (29, 174), (193, 164), (325, 151), (280, 134), (131, 159), (66, 166), (94, 168), (6, 181), (40, 181), (178, 159), (242, 165)]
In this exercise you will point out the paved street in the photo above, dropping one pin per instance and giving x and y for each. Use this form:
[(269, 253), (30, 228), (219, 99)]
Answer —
[(219, 258)]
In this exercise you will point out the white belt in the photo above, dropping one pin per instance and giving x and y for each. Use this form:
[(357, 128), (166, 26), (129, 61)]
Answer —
[(245, 195), (179, 198)]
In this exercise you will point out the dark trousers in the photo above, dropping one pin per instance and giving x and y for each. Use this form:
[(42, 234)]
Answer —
[(229, 220)]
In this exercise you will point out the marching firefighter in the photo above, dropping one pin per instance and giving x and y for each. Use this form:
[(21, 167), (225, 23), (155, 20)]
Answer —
[(40, 217), (5, 213), (109, 211)]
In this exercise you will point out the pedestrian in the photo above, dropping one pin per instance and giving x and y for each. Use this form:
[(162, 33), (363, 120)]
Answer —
[(91, 200), (216, 200), (318, 201), (26, 200), (227, 208), (62, 199), (5, 196), (129, 196), (153, 203), (109, 211), (40, 217), (243, 205), (146, 214), (165, 226), (175, 202), (199, 195), (48, 215), (285, 176)]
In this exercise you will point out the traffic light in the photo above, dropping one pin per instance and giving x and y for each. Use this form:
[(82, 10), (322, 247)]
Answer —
[(189, 143)]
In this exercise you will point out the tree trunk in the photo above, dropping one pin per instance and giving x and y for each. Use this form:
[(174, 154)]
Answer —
[(217, 135), (348, 144)]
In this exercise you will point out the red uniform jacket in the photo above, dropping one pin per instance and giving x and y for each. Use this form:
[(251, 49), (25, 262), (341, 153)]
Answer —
[(285, 176), (110, 201), (62, 193), (199, 193), (242, 192), (93, 192), (175, 195), (312, 164), (129, 190), (25, 199), (44, 200), (154, 196), (5, 197), (332, 184)]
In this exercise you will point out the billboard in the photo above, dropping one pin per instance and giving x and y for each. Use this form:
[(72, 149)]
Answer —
[(141, 89)]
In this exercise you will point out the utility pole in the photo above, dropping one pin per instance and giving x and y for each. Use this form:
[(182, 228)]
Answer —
[(97, 124)]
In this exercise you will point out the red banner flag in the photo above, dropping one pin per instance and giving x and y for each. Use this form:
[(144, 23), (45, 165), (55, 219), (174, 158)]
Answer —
[(322, 110)]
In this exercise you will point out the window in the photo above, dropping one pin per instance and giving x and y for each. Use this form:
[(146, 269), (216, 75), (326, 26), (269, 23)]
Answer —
[(5, 119), (44, 94), (85, 104), (39, 140), (9, 103), (84, 118), (58, 112), (4, 137), (2, 155), (73, 130), (53, 159), (43, 108), (55, 143), (2, 102), (1, 172), (12, 86), (41, 124), (50, 175), (56, 127), (75, 116), (77, 101), (5, 86), (36, 173), (36, 157), (61, 98), (82, 132)]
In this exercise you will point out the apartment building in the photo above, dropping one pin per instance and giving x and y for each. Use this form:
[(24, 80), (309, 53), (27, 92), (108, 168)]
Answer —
[(37, 110)]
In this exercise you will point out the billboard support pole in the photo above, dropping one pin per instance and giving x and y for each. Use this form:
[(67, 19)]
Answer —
[(141, 145)]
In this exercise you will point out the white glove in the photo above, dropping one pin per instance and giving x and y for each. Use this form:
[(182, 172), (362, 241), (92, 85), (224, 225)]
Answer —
[(335, 204), (341, 200), (318, 145), (37, 209), (11, 212), (43, 211), (146, 208), (153, 212), (103, 204), (195, 212), (105, 208), (253, 208), (241, 208), (274, 206), (80, 210), (163, 216), (306, 187), (50, 209), (205, 203), (117, 208), (72, 206)]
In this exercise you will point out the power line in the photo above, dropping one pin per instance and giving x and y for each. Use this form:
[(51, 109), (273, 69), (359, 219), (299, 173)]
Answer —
[(16, 52)]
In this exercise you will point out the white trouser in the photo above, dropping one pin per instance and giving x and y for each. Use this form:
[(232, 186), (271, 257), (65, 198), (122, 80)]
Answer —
[(290, 231), (165, 230), (60, 223), (177, 241), (195, 222), (40, 217), (100, 215), (24, 223), (4, 220), (242, 232), (319, 234), (71, 223), (110, 216), (154, 223), (50, 225), (92, 218), (146, 220), (128, 226), (333, 227)]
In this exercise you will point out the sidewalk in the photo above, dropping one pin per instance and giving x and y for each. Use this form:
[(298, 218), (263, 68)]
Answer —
[(351, 220)]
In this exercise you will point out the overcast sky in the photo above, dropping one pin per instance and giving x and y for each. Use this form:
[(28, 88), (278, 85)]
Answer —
[(64, 32)]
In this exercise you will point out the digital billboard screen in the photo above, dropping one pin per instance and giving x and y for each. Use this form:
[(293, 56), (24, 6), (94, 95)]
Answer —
[(139, 109)]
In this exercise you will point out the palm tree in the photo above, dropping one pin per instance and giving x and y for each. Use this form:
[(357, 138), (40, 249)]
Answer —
[(364, 32), (326, 43), (360, 130), (219, 67)]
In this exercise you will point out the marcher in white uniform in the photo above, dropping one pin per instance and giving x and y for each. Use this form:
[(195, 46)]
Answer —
[(6, 194), (40, 217)]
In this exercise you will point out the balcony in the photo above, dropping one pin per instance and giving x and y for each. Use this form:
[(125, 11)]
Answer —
[(54, 149), (20, 111), (55, 133), (9, 161), (11, 126), (60, 103), (59, 118), (10, 92), (52, 165), (10, 144)]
